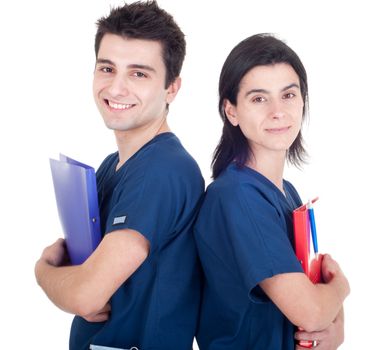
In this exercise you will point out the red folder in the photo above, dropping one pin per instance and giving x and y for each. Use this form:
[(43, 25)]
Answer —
[(311, 263)]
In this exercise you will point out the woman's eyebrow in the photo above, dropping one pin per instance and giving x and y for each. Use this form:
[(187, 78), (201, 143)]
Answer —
[(252, 91), (264, 91), (295, 85)]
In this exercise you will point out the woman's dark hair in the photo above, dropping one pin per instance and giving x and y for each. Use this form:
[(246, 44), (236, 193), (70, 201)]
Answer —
[(257, 50), (145, 20)]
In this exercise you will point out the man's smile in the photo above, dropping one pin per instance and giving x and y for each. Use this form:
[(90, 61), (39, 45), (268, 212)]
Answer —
[(119, 106)]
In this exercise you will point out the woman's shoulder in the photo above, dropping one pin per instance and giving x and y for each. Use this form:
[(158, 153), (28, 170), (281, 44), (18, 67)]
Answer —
[(236, 182)]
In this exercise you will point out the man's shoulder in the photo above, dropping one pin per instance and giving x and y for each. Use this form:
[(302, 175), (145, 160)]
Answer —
[(169, 157), (108, 162)]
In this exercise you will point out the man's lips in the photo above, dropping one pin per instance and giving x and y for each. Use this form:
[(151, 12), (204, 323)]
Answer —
[(118, 106)]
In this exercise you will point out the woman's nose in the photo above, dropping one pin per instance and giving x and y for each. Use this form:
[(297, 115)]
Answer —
[(276, 110)]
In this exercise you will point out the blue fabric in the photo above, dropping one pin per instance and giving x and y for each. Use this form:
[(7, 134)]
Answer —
[(157, 192), (244, 235)]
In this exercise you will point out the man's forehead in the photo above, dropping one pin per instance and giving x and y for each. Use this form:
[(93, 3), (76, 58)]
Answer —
[(115, 45)]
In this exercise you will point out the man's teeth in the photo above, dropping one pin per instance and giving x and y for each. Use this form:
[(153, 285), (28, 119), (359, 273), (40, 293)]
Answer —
[(118, 105)]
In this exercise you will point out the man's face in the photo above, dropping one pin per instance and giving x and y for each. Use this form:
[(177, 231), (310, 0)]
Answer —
[(129, 83)]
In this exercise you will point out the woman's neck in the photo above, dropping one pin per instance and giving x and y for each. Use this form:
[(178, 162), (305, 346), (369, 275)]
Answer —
[(270, 165)]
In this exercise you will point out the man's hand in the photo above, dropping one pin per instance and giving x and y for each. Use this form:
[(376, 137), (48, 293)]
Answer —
[(100, 316), (56, 254)]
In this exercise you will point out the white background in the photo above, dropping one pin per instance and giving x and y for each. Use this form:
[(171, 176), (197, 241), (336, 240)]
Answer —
[(47, 107)]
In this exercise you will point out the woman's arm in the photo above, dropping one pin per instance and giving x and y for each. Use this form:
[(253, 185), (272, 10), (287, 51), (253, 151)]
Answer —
[(312, 307), (328, 339)]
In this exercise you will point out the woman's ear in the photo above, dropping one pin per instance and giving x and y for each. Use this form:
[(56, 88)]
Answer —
[(230, 111)]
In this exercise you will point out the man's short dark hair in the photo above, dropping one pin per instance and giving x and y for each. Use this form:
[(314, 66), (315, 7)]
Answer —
[(145, 20)]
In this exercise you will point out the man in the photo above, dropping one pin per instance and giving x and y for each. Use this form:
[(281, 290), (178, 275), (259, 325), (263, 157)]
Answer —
[(140, 288)]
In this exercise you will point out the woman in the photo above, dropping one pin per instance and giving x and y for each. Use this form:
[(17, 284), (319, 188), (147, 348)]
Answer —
[(255, 291)]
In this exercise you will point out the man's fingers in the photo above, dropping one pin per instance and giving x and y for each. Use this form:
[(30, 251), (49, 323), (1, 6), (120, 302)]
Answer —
[(106, 308), (100, 317)]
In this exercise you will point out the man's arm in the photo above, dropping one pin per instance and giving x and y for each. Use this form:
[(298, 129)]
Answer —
[(86, 289), (312, 307)]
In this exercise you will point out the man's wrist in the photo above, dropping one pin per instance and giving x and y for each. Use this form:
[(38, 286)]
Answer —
[(41, 268), (38, 269)]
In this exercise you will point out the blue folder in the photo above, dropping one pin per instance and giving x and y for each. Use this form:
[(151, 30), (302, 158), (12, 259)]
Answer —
[(77, 203)]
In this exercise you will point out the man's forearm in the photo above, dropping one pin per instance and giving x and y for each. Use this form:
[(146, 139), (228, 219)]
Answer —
[(62, 285), (86, 289)]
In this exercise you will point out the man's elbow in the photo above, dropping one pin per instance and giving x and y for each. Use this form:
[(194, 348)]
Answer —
[(85, 305)]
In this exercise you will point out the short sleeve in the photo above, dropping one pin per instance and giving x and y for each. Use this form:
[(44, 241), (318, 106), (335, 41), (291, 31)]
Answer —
[(147, 202), (253, 240)]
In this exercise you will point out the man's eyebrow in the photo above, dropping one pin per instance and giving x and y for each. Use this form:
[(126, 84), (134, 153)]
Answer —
[(141, 66), (264, 91), (104, 61), (129, 66)]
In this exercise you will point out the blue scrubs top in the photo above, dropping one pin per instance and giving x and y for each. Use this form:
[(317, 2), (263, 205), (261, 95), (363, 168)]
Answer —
[(244, 235), (156, 192)]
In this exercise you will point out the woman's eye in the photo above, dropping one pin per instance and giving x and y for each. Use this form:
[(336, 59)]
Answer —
[(288, 95)]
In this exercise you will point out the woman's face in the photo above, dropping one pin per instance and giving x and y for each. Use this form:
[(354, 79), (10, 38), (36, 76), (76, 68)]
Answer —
[(269, 108)]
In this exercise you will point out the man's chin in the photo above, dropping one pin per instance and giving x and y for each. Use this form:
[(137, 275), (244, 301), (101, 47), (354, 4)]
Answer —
[(119, 126)]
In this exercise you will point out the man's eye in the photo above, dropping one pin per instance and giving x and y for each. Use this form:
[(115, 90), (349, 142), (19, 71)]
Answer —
[(258, 99), (140, 75), (106, 69)]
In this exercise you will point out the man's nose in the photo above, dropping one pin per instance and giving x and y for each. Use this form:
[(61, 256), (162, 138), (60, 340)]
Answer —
[(119, 86)]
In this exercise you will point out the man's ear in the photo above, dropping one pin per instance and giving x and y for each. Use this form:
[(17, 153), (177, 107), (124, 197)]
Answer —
[(230, 112), (173, 89)]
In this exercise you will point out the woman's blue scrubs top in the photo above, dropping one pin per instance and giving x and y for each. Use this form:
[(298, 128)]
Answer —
[(244, 235)]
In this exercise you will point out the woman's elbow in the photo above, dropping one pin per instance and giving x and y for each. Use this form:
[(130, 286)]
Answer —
[(314, 320)]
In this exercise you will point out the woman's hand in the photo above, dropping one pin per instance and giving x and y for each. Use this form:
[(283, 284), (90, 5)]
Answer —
[(330, 268), (333, 336), (328, 339)]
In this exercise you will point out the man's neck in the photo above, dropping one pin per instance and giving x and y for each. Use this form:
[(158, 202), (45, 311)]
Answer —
[(130, 141)]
